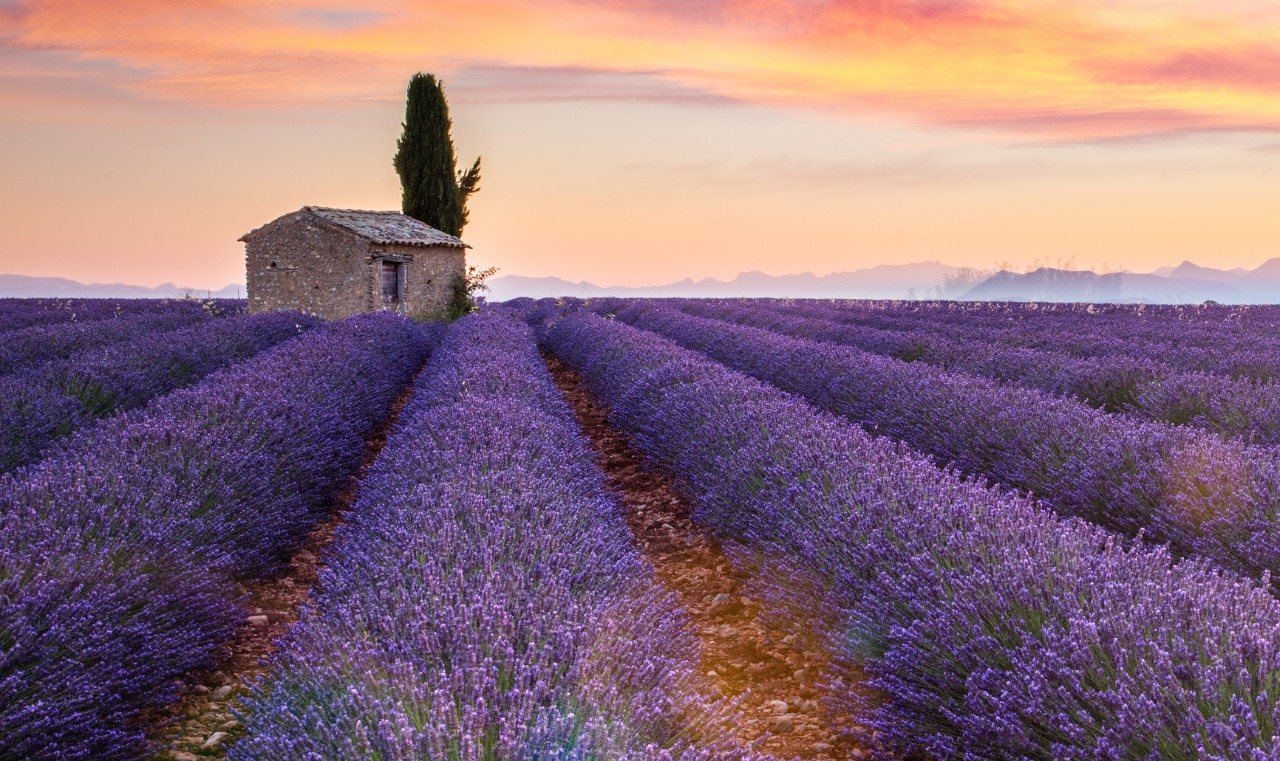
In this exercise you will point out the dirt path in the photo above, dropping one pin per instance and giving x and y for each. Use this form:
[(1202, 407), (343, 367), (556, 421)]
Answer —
[(199, 724), (772, 668)]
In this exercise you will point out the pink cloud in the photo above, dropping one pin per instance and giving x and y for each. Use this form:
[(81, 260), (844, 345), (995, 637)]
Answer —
[(505, 83), (1256, 68), (1051, 69)]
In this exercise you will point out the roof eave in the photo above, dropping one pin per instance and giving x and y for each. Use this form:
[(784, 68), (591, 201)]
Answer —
[(420, 243)]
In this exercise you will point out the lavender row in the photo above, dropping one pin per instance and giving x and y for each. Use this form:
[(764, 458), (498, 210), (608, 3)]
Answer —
[(39, 406), (16, 314), (1112, 385), (1204, 325), (29, 347), (1234, 348), (485, 601), (1207, 496), (1197, 314), (1228, 345), (121, 555), (989, 628), (1236, 409)]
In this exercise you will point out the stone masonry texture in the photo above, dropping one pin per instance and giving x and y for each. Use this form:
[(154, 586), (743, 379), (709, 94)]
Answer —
[(302, 262)]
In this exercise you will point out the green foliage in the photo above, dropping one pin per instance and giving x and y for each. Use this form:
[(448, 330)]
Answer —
[(93, 397), (465, 288), (468, 183), (432, 189)]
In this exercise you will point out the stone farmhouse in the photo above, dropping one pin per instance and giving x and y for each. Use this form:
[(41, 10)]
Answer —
[(338, 262)]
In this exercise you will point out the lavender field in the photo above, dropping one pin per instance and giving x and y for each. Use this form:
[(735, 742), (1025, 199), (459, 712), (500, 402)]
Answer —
[(640, 529)]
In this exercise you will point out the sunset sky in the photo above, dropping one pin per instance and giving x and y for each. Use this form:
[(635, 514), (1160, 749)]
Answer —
[(643, 141)]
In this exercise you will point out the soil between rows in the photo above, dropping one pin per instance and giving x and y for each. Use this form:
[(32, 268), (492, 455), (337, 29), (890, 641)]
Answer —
[(189, 728), (770, 666)]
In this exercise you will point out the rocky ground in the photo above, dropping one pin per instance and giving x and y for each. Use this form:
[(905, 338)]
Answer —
[(771, 666), (199, 725)]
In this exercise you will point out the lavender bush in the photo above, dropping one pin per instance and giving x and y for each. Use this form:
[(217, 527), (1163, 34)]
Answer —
[(485, 600), (1238, 342), (1205, 495), (120, 555), (39, 406), (1144, 388), (38, 344), (990, 628), (16, 314)]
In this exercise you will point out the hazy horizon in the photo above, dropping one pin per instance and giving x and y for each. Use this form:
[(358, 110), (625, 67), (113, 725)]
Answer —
[(982, 272)]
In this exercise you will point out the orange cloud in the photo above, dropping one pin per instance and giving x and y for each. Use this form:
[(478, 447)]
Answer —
[(1078, 70)]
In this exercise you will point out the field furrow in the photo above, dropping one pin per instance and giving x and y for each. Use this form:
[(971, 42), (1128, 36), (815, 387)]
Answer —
[(485, 600), (1206, 496), (991, 628), (639, 530), (200, 722), (122, 556), (768, 662), (1237, 409)]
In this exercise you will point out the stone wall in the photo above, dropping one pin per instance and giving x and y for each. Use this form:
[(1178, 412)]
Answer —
[(428, 279), (300, 262)]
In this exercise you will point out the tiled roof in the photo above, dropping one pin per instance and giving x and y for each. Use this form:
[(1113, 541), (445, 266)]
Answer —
[(384, 227)]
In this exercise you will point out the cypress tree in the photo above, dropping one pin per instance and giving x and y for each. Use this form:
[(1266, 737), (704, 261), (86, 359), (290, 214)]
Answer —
[(431, 188)]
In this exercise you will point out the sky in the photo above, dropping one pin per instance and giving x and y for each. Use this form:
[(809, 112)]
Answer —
[(634, 142)]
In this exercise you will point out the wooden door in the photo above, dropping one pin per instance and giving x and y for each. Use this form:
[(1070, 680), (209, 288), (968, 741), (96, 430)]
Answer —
[(390, 283)]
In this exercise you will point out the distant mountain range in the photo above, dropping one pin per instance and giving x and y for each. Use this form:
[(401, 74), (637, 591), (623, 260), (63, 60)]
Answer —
[(22, 286), (886, 281), (1186, 283)]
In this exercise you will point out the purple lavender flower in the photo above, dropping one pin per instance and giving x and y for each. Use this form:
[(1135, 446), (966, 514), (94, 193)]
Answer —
[(19, 313), (990, 628), (40, 405), (1143, 386), (1204, 495), (121, 553), (40, 343), (485, 600)]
